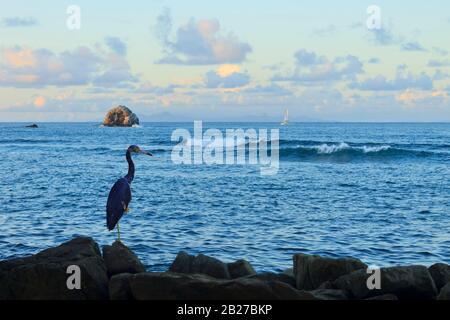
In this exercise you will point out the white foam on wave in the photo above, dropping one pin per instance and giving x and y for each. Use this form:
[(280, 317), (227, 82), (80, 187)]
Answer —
[(331, 148), (367, 149)]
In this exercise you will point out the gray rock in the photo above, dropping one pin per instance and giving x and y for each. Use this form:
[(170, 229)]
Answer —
[(330, 294), (440, 272), (185, 263), (120, 116), (119, 287), (240, 268), (411, 282), (120, 259), (311, 271), (445, 292), (289, 272), (170, 286), (388, 296), (271, 276), (43, 276), (326, 285)]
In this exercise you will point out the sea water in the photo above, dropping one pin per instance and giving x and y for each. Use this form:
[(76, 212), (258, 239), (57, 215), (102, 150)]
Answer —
[(376, 191)]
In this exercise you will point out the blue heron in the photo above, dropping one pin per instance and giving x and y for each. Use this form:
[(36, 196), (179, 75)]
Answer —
[(120, 194)]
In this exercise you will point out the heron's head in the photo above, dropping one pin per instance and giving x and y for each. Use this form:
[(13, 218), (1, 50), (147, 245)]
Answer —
[(136, 149)]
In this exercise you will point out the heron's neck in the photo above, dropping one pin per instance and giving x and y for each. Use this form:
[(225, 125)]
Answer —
[(130, 174)]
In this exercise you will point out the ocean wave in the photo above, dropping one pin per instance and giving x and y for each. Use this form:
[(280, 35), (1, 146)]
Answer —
[(345, 152)]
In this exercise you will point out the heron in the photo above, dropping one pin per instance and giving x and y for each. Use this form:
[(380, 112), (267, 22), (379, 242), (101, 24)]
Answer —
[(120, 194)]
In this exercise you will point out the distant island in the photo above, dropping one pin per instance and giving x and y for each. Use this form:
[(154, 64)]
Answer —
[(120, 116)]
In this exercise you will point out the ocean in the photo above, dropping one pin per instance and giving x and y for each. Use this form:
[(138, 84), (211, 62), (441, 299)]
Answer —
[(376, 191)]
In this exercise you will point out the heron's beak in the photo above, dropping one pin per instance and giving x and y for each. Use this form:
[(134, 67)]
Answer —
[(147, 153)]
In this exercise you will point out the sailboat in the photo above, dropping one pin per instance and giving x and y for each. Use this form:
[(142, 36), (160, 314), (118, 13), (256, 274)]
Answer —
[(286, 118)]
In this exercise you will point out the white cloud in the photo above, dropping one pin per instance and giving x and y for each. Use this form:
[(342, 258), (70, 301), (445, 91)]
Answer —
[(314, 69), (402, 81), (199, 42), (27, 67)]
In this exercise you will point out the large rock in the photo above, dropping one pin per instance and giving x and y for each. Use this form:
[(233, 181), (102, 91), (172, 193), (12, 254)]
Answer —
[(170, 286), (271, 276), (120, 259), (120, 116), (44, 275), (445, 292), (311, 271), (185, 263), (388, 296), (119, 287), (440, 272), (330, 294), (240, 268), (411, 282)]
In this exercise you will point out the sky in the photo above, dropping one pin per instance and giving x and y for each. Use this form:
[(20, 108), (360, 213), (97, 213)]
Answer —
[(232, 60)]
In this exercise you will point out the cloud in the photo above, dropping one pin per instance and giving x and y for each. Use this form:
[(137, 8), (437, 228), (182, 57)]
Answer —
[(440, 51), (226, 78), (383, 37), (374, 61), (412, 46), (148, 88), (439, 75), (117, 45), (198, 42), (312, 68), (307, 58), (39, 102), (26, 67), (438, 63), (402, 81), (14, 22), (413, 97), (270, 90)]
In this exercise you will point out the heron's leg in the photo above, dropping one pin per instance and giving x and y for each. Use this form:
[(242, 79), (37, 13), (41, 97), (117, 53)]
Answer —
[(118, 232)]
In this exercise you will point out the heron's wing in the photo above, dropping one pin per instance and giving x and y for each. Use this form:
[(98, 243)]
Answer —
[(118, 200)]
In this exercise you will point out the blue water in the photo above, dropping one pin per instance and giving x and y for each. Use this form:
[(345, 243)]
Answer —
[(379, 192)]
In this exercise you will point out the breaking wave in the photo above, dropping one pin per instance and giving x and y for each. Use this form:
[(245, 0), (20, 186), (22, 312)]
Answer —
[(345, 152)]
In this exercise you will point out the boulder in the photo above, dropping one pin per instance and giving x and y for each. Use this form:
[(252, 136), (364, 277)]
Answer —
[(440, 272), (44, 276), (330, 294), (410, 282), (388, 296), (271, 276), (119, 287), (120, 116), (289, 272), (445, 292), (175, 286), (120, 259), (240, 268), (185, 263), (311, 271)]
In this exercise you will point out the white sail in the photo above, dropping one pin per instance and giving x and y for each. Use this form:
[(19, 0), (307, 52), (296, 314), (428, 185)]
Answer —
[(286, 118)]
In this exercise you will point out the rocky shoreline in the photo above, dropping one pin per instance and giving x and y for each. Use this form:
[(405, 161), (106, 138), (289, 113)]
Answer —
[(117, 273)]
